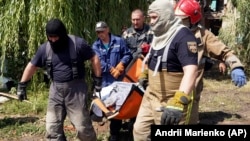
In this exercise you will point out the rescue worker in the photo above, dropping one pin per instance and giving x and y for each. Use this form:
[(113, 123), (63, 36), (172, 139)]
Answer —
[(68, 89), (209, 46), (139, 36), (115, 56), (172, 70)]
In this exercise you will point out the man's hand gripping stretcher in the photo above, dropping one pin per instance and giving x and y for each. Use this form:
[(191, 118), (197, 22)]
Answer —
[(109, 101)]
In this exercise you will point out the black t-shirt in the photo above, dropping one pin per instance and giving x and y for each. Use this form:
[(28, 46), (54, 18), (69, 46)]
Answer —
[(179, 53), (61, 61)]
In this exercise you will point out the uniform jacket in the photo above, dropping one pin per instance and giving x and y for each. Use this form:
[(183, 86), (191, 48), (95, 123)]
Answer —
[(117, 52), (210, 46), (135, 39)]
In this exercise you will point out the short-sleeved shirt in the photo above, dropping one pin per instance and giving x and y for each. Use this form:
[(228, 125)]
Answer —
[(179, 54), (61, 60)]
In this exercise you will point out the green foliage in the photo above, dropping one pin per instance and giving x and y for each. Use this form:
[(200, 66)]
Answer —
[(26, 119), (39, 102), (243, 29), (23, 30), (236, 33), (23, 26)]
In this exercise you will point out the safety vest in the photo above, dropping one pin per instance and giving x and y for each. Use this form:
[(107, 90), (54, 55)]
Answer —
[(73, 57)]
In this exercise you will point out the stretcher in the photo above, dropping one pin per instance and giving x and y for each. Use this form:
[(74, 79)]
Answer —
[(133, 70), (124, 97)]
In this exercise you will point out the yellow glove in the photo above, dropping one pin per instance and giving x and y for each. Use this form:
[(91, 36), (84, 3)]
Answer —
[(143, 79), (178, 101), (114, 72), (120, 67), (144, 74), (173, 112)]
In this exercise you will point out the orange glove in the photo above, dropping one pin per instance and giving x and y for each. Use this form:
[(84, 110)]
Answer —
[(120, 67), (115, 72)]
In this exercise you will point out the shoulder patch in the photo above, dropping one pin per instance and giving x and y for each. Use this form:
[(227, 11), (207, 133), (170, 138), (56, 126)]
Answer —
[(192, 46)]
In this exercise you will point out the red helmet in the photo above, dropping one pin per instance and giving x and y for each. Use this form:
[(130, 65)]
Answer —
[(190, 8)]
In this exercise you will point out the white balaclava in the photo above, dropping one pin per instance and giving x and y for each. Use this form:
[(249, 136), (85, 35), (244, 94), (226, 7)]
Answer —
[(166, 24)]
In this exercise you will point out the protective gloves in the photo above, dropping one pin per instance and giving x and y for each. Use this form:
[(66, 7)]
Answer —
[(114, 72), (238, 77), (21, 91), (143, 79), (117, 71), (120, 67), (173, 112), (145, 48), (97, 84)]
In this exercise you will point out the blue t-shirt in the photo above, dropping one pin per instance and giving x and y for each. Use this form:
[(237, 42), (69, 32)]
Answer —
[(61, 60)]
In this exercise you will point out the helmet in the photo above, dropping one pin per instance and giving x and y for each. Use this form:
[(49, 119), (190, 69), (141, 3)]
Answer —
[(190, 8)]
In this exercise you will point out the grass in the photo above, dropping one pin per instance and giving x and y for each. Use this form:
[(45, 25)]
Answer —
[(21, 119), (220, 99)]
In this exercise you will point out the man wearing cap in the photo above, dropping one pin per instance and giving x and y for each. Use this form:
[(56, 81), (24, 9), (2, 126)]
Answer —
[(68, 89), (114, 56)]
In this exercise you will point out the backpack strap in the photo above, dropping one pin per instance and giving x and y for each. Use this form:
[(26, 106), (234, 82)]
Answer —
[(49, 52), (73, 57)]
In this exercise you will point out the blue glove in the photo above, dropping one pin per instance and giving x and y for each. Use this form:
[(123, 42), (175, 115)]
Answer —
[(238, 77)]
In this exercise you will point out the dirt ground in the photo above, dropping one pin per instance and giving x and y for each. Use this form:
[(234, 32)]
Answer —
[(221, 103)]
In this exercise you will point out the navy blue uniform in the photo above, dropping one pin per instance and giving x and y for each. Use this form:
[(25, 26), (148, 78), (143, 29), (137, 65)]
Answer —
[(179, 54)]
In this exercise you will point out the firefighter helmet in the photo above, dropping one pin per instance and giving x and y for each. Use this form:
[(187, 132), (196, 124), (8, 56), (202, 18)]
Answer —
[(190, 8)]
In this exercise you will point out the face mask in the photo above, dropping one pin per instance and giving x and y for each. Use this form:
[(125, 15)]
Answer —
[(59, 44)]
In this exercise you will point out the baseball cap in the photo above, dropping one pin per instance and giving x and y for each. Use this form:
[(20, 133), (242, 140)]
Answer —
[(101, 26)]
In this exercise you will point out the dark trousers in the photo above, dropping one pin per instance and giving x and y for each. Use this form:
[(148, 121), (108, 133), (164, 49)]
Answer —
[(115, 127)]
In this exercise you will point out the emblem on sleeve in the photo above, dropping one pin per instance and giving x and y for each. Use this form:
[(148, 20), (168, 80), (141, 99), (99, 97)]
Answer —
[(192, 46)]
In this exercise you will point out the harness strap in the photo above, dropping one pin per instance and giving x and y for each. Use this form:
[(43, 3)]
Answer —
[(157, 64), (163, 59), (73, 56)]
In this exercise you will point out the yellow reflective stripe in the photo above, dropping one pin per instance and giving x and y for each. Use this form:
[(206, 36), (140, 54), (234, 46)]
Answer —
[(189, 109), (174, 107)]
